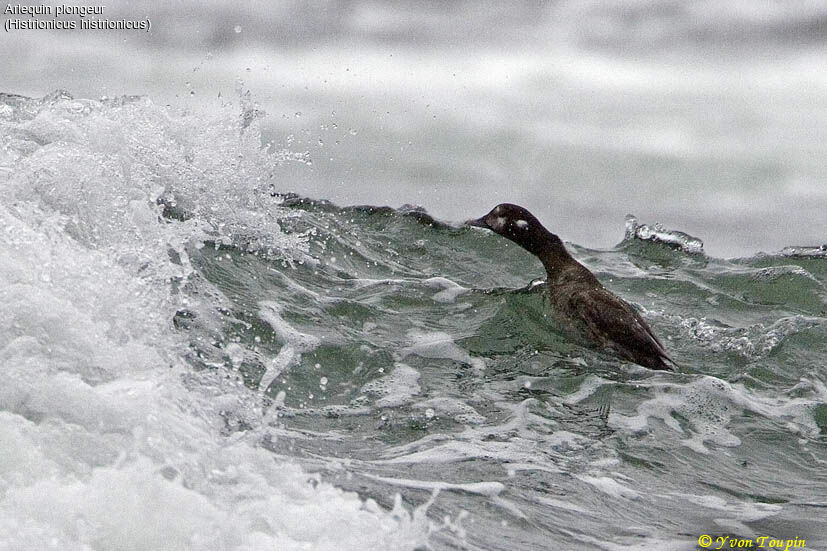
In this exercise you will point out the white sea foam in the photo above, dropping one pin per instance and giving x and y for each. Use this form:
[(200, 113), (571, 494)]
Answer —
[(489, 489), (450, 290), (709, 404), (658, 233), (609, 486), (743, 511), (295, 343), (396, 388), (103, 445), (526, 441), (440, 345), (451, 407), (754, 341), (704, 402)]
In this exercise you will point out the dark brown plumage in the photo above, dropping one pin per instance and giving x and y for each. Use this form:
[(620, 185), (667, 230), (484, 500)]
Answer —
[(578, 299)]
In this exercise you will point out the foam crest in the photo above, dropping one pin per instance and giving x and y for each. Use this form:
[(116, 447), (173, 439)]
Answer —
[(295, 343), (454, 408), (525, 441), (440, 345), (805, 252), (659, 234), (489, 489), (111, 168), (396, 388), (705, 407), (742, 511), (450, 290), (609, 486), (706, 404), (110, 439), (756, 341)]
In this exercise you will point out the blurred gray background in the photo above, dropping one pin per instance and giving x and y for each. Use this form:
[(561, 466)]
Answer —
[(709, 116)]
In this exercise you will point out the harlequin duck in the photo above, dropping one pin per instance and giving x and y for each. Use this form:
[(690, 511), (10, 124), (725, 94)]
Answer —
[(577, 298)]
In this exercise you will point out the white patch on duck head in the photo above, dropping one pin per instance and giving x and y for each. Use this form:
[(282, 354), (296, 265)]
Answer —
[(522, 224)]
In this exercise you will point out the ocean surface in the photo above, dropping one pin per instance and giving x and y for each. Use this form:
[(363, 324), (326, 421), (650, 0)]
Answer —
[(193, 357), (709, 116)]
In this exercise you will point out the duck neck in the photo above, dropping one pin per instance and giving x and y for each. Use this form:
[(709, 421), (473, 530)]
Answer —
[(553, 255)]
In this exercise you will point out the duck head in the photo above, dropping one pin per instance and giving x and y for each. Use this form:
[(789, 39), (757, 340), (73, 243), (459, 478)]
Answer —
[(520, 226)]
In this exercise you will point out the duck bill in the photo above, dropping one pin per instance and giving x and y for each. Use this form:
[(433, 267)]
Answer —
[(478, 223)]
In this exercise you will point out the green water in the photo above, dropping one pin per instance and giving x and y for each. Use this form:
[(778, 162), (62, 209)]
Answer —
[(424, 386)]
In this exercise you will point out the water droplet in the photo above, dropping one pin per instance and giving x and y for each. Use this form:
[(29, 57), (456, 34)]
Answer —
[(237, 29), (527, 384), (236, 354), (429, 413), (279, 401), (298, 114), (352, 132), (323, 381)]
